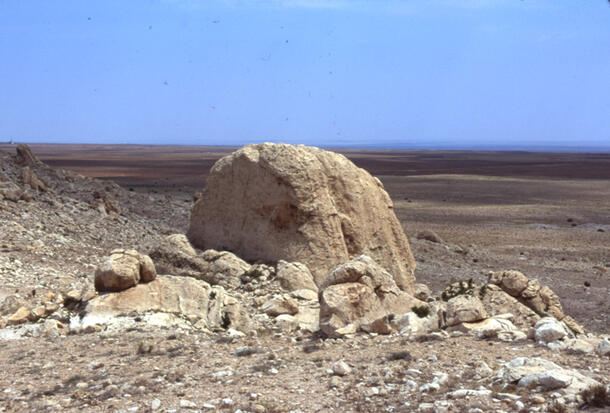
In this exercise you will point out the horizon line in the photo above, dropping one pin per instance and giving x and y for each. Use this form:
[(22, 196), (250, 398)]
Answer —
[(365, 146)]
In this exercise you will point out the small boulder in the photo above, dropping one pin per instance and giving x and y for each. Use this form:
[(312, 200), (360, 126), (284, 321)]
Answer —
[(295, 276), (179, 242), (429, 236), (603, 348), (123, 269), (464, 309), (360, 293), (20, 316), (281, 304), (147, 269), (422, 292), (549, 329)]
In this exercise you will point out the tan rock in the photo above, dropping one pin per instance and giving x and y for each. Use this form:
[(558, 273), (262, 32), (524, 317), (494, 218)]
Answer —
[(496, 302), (360, 292), (26, 155), (118, 272), (552, 303), (464, 309), (181, 243), (184, 296), (282, 304), (29, 178), (11, 304), (38, 313), (166, 293), (422, 292), (514, 282), (295, 276), (274, 201), (174, 255), (224, 268), (541, 299), (20, 316), (147, 269)]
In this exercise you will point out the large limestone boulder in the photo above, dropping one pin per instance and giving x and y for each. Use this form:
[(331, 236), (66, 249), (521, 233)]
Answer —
[(270, 202), (361, 294), (123, 269)]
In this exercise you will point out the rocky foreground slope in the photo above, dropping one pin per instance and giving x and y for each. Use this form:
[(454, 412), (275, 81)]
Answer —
[(105, 305)]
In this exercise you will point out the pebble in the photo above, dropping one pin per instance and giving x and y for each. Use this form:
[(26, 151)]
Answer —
[(341, 368), (155, 404), (187, 404)]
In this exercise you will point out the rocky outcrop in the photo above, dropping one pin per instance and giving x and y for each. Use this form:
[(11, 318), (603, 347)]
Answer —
[(30, 179), (538, 373), (193, 299), (496, 301), (124, 269), (26, 156), (274, 201), (360, 294), (540, 299), (176, 256)]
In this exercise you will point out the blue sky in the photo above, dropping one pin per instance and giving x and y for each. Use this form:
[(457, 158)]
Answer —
[(434, 73)]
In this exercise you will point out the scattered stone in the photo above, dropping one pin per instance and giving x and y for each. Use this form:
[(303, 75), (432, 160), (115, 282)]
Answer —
[(548, 329), (20, 316), (341, 368), (187, 404), (538, 373), (603, 348), (429, 236)]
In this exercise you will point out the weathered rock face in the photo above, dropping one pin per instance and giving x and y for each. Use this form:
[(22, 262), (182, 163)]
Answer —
[(176, 256), (496, 302), (26, 156), (540, 299), (184, 296), (360, 293), (123, 269), (274, 201)]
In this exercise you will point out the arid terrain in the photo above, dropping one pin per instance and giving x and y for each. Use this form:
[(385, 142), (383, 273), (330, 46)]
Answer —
[(546, 215)]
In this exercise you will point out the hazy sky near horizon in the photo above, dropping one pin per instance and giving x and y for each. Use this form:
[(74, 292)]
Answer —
[(336, 72)]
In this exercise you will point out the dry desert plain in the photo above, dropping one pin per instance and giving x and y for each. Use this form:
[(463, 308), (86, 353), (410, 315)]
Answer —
[(544, 214)]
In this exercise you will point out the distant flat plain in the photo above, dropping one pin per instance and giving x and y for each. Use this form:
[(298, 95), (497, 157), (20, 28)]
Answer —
[(545, 214)]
